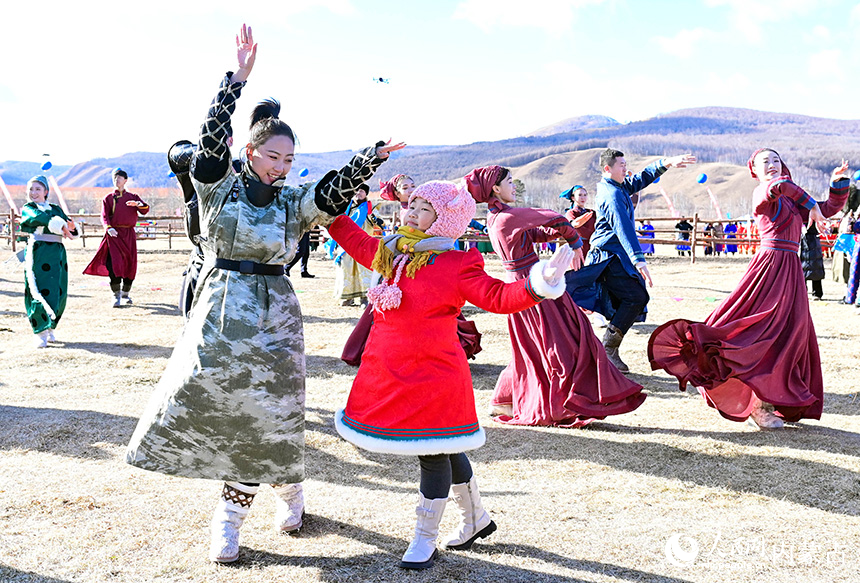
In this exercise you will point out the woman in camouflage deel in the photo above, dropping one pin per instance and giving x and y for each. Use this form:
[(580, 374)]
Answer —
[(231, 403)]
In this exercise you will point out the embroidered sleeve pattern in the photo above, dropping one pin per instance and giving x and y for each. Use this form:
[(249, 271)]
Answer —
[(784, 186), (212, 158), (837, 198), (335, 190)]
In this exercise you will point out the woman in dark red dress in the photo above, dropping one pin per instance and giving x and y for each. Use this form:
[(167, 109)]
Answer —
[(756, 356), (560, 374)]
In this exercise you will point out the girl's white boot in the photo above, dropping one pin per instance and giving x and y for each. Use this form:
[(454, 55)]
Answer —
[(422, 550), (475, 523)]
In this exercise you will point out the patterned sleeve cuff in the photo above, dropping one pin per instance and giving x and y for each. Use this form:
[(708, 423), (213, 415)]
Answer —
[(841, 184), (575, 243), (334, 192), (806, 201)]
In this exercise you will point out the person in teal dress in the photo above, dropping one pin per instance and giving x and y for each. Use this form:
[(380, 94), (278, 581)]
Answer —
[(46, 285)]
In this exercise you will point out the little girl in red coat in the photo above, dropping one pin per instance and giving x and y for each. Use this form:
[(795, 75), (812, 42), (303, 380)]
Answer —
[(413, 394)]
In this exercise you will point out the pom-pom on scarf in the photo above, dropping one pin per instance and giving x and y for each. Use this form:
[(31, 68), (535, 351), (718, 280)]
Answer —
[(408, 248)]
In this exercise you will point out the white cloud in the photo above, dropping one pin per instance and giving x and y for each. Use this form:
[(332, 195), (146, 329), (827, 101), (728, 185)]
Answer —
[(554, 16), (818, 36), (683, 45), (750, 17), (825, 64), (854, 17)]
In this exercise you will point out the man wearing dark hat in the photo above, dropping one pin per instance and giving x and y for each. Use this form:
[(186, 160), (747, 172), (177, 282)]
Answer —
[(116, 257)]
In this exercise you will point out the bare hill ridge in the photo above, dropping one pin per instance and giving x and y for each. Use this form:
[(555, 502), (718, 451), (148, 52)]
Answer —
[(557, 156)]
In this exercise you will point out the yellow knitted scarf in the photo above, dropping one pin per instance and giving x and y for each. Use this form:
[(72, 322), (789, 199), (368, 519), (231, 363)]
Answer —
[(383, 261)]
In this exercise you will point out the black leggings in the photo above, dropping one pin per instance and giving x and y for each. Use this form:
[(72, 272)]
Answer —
[(116, 281), (438, 472)]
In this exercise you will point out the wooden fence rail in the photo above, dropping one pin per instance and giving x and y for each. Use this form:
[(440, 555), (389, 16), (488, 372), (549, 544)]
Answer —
[(169, 227)]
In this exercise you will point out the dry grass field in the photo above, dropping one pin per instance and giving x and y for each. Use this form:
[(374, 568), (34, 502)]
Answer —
[(669, 493)]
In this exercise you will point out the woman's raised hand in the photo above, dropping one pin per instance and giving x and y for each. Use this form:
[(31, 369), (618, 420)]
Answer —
[(840, 172), (246, 54), (384, 150)]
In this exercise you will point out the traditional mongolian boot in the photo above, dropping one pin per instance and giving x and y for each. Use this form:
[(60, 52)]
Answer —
[(117, 299), (126, 299), (228, 518), (501, 409), (611, 341), (422, 550), (475, 523), (289, 507), (762, 416)]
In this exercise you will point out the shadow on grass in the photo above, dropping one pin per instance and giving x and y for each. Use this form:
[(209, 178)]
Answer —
[(121, 349), (351, 320), (642, 328), (12, 574), (775, 476), (794, 436), (323, 367), (842, 404), (157, 309), (382, 565), (71, 433), (665, 386)]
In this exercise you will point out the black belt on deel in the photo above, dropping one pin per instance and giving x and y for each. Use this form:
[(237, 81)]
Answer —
[(249, 267)]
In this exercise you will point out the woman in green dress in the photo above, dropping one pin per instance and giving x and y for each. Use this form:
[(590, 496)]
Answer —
[(46, 284), (231, 403)]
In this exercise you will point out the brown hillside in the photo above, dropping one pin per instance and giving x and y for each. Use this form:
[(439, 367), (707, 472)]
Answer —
[(731, 184)]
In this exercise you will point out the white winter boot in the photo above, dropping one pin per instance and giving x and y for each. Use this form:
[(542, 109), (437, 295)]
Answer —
[(41, 339), (475, 523), (422, 550), (228, 518), (289, 507)]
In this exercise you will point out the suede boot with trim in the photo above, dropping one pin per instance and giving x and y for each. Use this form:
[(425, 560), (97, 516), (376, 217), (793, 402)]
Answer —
[(289, 507), (475, 523), (229, 515), (762, 417), (611, 341), (422, 550)]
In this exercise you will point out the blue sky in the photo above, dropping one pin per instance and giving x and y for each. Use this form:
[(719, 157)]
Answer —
[(99, 79)]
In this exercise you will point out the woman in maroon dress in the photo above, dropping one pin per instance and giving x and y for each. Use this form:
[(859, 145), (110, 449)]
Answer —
[(560, 374), (756, 356)]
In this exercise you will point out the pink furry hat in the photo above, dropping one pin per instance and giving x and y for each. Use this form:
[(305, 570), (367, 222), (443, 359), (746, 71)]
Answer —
[(453, 204)]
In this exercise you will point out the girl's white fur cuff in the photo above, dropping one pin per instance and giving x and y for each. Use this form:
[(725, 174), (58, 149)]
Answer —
[(540, 285)]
